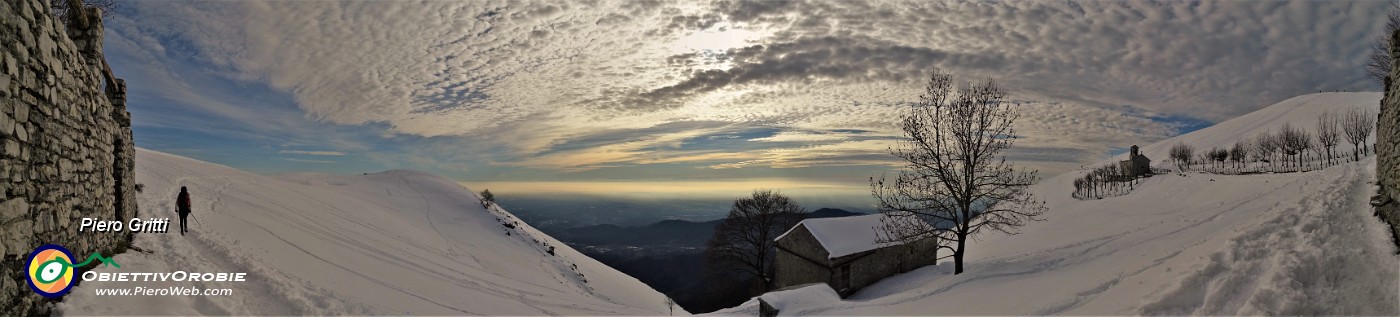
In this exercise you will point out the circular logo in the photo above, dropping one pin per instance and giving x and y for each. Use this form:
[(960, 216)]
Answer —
[(51, 270)]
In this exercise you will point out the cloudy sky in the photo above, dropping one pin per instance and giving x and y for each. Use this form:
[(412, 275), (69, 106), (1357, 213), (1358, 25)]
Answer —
[(802, 92)]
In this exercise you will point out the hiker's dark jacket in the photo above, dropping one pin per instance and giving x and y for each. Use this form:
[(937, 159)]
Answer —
[(183, 203)]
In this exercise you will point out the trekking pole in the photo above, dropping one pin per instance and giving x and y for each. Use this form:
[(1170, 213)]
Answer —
[(196, 220)]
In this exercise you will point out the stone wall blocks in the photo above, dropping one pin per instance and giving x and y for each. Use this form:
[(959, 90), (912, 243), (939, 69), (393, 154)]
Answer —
[(56, 130), (13, 208), (28, 40), (26, 12), (11, 68), (45, 222), (46, 111), (12, 148), (4, 85), (21, 112), (7, 10), (18, 236), (7, 124)]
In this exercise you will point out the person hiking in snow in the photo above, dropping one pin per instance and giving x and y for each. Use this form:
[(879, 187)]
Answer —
[(182, 203)]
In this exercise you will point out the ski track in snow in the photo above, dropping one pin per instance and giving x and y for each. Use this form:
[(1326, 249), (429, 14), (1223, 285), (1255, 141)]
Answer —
[(1268, 270)]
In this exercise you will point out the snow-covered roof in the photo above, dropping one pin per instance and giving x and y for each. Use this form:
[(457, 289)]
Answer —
[(843, 236)]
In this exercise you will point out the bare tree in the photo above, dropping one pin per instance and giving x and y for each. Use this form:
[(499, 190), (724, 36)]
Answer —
[(956, 182), (1205, 158), (1265, 146), (1292, 142), (1239, 153), (743, 242), (1327, 136), (671, 304), (60, 8), (487, 198), (1219, 155), (1181, 153), (1305, 144), (1358, 124), (1091, 180), (1378, 64)]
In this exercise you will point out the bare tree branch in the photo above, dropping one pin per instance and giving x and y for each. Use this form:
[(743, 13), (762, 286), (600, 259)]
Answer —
[(1378, 63), (956, 181), (60, 8)]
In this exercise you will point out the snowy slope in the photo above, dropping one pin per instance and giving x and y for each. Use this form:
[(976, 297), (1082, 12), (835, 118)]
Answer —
[(1301, 112), (397, 242), (1272, 244)]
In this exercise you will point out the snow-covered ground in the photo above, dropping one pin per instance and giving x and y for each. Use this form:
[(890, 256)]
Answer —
[(396, 243), (1200, 244)]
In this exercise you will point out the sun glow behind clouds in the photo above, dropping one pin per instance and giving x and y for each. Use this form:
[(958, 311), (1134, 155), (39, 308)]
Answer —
[(712, 43), (718, 38)]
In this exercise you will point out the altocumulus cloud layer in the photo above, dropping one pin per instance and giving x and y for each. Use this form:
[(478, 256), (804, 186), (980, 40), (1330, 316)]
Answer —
[(598, 88)]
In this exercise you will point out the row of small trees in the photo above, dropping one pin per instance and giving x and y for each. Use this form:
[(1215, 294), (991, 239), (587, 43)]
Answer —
[(1106, 181), (1289, 149)]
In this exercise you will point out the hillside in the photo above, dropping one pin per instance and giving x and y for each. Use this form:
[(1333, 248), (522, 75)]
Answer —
[(1200, 244), (1301, 112), (397, 243)]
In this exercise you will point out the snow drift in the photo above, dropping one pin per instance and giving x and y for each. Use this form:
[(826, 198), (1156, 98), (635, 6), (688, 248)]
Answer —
[(1201, 244), (397, 242)]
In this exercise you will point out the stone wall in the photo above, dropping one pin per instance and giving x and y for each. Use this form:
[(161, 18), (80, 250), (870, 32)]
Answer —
[(800, 260), (1388, 131), (886, 262), (66, 150)]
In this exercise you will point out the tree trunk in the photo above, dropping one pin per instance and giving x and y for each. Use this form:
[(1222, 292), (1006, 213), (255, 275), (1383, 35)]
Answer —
[(958, 254)]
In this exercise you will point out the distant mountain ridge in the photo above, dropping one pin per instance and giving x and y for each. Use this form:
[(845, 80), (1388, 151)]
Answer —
[(674, 233)]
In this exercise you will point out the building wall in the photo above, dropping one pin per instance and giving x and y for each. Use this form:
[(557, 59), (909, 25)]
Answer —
[(886, 262), (66, 150), (866, 268), (791, 269)]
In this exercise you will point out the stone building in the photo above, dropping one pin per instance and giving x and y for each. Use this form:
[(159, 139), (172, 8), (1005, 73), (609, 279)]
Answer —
[(1137, 165), (66, 150), (844, 253)]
